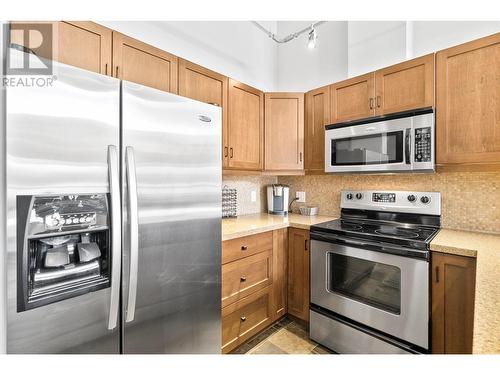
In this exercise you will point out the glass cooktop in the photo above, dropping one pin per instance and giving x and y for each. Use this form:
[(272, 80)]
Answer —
[(414, 236)]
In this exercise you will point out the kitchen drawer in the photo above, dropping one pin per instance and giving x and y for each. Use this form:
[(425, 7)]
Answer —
[(245, 318), (245, 276), (245, 246)]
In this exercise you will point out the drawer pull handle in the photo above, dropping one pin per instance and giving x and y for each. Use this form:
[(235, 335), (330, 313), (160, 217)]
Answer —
[(243, 279), (243, 318), (244, 247)]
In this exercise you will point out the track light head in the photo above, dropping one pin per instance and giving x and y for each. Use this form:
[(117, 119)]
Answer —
[(312, 38)]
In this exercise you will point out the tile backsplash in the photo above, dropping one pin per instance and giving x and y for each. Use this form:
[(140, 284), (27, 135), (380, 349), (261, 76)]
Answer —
[(470, 200), (244, 186)]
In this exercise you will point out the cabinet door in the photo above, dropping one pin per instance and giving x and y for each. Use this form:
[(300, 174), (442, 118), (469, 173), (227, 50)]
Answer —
[(317, 116), (453, 286), (298, 273), (468, 103), (141, 63), (83, 44), (199, 83), (284, 131), (245, 129), (353, 98), (245, 318), (245, 276), (405, 86), (279, 291)]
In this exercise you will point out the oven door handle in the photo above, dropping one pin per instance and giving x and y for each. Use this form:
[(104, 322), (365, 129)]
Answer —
[(369, 245), (407, 145)]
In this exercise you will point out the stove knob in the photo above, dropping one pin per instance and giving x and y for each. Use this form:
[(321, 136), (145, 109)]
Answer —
[(425, 199), (349, 196), (359, 195), (412, 198)]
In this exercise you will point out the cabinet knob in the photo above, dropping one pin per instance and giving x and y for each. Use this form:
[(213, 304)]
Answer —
[(244, 247), (225, 152), (378, 101), (243, 279), (243, 318), (371, 103), (231, 152)]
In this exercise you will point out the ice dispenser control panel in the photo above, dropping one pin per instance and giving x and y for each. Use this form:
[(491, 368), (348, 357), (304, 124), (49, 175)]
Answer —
[(63, 247)]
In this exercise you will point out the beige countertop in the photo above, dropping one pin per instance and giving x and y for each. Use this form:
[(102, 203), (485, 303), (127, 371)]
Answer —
[(486, 249), (246, 225)]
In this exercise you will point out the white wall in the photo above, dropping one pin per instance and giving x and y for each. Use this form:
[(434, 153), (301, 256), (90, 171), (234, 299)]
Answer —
[(301, 68), (374, 44), (240, 50), (236, 49), (430, 36)]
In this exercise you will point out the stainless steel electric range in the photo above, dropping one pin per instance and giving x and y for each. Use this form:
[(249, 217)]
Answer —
[(370, 273)]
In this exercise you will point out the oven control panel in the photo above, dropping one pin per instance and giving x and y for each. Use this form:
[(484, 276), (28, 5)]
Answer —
[(384, 197), (423, 144), (418, 202)]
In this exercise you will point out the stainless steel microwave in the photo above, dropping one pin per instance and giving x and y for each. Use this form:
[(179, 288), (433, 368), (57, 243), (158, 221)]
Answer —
[(403, 142)]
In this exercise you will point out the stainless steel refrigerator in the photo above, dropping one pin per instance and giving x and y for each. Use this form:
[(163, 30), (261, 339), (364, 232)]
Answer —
[(113, 218)]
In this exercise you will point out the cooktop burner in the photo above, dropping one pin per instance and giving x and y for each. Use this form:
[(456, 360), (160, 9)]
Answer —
[(398, 232), (350, 226)]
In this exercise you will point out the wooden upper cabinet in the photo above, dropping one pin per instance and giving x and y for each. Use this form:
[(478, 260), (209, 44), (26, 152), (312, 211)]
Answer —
[(142, 63), (298, 273), (453, 291), (284, 131), (199, 83), (468, 103), (317, 116), (83, 44), (405, 86), (352, 99), (245, 129)]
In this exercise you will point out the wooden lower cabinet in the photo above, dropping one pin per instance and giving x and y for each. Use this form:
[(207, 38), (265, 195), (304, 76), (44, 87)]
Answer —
[(242, 247), (280, 277), (253, 286), (452, 293), (245, 276), (298, 273), (245, 318)]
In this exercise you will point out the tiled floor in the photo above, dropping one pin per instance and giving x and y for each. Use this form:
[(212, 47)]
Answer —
[(283, 337)]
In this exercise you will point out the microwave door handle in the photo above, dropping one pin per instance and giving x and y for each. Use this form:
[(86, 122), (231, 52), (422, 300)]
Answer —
[(134, 232), (116, 256), (407, 146)]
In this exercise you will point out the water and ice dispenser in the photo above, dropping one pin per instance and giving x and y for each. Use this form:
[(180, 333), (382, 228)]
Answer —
[(63, 247)]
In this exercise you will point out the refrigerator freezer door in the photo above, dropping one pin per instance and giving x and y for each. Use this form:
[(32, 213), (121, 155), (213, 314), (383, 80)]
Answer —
[(175, 145), (57, 143)]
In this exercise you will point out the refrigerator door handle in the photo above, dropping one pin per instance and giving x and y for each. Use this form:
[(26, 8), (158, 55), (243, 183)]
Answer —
[(134, 232), (116, 256)]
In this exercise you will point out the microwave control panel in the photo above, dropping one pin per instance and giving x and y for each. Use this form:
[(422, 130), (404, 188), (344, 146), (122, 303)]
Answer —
[(423, 144)]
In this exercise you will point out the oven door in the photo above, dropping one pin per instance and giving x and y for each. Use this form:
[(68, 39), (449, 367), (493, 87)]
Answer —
[(373, 147), (387, 292)]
